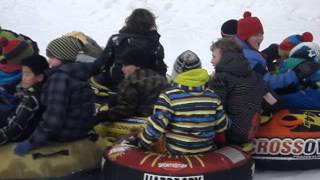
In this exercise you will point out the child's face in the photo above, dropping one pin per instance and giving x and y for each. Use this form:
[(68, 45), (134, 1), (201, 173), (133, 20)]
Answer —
[(216, 56), (128, 69), (29, 78), (255, 41), (53, 62)]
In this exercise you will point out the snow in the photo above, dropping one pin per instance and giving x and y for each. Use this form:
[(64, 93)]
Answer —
[(183, 24)]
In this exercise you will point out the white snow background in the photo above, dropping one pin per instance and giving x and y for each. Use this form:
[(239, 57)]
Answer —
[(183, 24)]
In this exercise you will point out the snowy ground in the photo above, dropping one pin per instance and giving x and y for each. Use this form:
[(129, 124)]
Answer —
[(183, 24)]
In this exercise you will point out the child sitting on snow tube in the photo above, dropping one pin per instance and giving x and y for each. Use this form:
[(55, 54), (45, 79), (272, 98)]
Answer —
[(67, 97), (188, 114), (26, 117), (306, 95)]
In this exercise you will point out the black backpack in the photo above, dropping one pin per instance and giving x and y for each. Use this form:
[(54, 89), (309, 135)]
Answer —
[(125, 40)]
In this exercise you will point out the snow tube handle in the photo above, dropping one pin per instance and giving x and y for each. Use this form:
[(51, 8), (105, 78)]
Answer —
[(39, 155)]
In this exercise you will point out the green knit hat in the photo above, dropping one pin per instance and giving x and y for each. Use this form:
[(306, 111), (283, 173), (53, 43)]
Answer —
[(65, 48)]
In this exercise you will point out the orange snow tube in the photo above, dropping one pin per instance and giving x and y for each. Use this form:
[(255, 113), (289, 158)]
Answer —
[(289, 141)]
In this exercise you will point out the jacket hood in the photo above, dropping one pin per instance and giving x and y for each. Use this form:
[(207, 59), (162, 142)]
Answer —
[(193, 78), (234, 63)]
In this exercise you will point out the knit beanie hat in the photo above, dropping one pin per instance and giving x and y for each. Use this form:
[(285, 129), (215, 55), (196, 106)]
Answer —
[(248, 26), (138, 57), (91, 47), (37, 63), (187, 60), (229, 28), (306, 50), (290, 42), (64, 48), (15, 50)]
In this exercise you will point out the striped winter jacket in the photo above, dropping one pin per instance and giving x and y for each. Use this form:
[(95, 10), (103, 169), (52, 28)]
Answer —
[(187, 114)]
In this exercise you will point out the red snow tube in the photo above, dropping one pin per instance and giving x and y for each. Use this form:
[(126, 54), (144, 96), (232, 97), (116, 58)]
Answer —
[(289, 141), (125, 161)]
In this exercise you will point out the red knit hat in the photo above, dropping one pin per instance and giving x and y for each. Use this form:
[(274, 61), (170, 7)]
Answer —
[(248, 26), (15, 49), (290, 42)]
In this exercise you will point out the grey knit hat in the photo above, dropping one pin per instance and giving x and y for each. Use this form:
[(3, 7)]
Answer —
[(65, 48), (188, 60)]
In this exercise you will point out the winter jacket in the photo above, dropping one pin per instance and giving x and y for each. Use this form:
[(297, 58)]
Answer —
[(187, 114), (26, 117), (148, 40), (10, 76), (241, 91), (304, 96), (69, 105), (136, 96), (258, 64)]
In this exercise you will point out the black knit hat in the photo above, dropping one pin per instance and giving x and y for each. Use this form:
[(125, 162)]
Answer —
[(229, 28), (138, 57), (37, 63), (65, 48)]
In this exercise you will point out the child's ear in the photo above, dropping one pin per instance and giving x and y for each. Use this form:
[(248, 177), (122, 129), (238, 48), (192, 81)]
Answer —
[(40, 77)]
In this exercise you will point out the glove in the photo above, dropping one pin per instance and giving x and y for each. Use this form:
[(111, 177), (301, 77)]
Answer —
[(306, 69), (23, 148), (271, 52), (3, 138)]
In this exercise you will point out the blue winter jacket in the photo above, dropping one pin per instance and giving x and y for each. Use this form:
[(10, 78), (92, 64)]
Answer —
[(275, 81)]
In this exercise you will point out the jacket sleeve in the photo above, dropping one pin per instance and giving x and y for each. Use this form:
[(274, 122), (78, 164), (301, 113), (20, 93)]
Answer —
[(280, 81), (222, 121), (56, 108), (108, 53), (19, 121), (220, 86), (160, 64), (275, 81), (157, 123)]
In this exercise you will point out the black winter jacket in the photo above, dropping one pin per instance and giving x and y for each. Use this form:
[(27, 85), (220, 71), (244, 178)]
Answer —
[(126, 38), (241, 91)]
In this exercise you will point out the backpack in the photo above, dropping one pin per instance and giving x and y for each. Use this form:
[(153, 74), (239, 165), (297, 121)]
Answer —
[(117, 44), (125, 40)]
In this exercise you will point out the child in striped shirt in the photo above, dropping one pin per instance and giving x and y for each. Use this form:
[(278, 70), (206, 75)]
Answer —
[(187, 115)]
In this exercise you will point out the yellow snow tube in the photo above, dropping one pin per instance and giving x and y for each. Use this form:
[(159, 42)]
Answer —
[(110, 132), (60, 160)]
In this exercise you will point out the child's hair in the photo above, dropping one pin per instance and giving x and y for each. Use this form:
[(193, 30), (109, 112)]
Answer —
[(226, 45), (37, 63), (141, 19)]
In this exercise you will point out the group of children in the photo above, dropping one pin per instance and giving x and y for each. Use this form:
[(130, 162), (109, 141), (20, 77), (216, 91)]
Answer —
[(187, 110)]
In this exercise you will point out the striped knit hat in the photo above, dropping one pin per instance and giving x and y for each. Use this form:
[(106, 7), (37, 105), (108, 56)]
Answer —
[(65, 48), (186, 61), (15, 49), (290, 42)]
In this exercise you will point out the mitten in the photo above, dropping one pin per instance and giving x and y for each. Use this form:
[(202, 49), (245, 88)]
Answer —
[(23, 148)]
